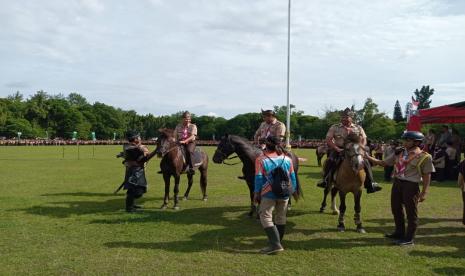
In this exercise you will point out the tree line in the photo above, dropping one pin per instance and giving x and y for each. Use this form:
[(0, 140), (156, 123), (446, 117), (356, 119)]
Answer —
[(50, 116)]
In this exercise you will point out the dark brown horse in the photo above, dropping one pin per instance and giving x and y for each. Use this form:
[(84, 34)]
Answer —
[(247, 153), (173, 165), (320, 152)]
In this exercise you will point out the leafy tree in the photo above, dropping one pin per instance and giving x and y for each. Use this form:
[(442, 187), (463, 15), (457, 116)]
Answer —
[(423, 96), (397, 117)]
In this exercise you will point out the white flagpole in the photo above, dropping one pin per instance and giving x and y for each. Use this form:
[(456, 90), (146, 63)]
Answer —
[(288, 115)]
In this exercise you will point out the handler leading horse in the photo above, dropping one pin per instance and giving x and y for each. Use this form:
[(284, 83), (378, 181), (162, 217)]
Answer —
[(247, 153), (173, 164)]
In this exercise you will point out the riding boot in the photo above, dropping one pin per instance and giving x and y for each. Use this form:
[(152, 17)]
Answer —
[(129, 202), (274, 244), (190, 170), (369, 184), (281, 229), (327, 170)]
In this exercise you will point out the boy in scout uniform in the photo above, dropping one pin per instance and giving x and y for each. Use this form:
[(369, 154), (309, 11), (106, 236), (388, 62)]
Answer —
[(185, 133), (411, 166), (269, 127), (335, 140)]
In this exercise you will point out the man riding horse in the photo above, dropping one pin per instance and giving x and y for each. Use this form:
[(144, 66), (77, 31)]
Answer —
[(269, 127), (185, 133), (335, 139)]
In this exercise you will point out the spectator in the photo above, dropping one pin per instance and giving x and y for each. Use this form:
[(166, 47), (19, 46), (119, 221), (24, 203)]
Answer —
[(451, 162), (430, 141), (444, 137), (439, 161)]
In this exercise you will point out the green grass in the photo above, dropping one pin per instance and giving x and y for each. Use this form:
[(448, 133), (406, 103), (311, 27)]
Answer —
[(58, 216)]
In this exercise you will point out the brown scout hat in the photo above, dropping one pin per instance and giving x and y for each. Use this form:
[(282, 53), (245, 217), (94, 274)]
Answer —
[(268, 113), (348, 112)]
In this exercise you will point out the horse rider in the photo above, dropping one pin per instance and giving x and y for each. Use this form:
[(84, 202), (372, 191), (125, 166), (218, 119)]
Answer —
[(269, 127), (265, 195), (185, 133), (411, 166), (135, 157), (335, 140)]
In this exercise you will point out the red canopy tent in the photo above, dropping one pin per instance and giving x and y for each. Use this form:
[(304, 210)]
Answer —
[(451, 113)]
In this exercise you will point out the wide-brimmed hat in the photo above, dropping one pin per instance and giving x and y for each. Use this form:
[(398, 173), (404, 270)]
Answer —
[(268, 113), (348, 113)]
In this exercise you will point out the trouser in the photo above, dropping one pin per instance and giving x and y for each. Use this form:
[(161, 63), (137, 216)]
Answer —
[(369, 179), (405, 193), (332, 162), (266, 211), (189, 149), (133, 193), (463, 198), (388, 172)]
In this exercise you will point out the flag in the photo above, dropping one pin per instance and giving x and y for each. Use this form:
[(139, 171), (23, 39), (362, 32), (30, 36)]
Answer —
[(415, 104)]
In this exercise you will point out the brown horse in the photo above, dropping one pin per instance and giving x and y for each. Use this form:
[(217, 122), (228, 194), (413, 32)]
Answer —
[(349, 178), (173, 165), (320, 152)]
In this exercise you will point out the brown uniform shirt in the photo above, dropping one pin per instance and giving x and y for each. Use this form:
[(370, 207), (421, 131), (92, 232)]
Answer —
[(411, 172), (276, 128), (181, 131), (339, 132)]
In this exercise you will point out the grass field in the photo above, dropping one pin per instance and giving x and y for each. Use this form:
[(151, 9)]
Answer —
[(59, 217)]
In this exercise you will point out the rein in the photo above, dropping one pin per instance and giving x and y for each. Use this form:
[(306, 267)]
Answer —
[(225, 157)]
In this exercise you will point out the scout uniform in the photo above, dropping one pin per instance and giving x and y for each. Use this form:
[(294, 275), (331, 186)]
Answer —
[(182, 132), (276, 129), (409, 167)]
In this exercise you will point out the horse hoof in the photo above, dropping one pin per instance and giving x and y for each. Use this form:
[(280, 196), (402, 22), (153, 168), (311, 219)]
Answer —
[(184, 198), (176, 207), (335, 212), (341, 227), (205, 198), (322, 210), (164, 206), (361, 231)]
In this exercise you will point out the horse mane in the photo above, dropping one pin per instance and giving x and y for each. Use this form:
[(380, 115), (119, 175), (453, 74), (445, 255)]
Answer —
[(352, 138), (166, 132)]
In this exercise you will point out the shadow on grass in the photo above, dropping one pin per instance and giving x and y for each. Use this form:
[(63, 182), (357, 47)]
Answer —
[(450, 271), (86, 194)]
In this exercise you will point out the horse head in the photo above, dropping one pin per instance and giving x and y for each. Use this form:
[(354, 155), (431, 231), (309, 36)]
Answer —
[(354, 151), (164, 141), (224, 150)]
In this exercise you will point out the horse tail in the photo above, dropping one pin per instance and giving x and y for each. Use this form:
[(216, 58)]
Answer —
[(298, 194)]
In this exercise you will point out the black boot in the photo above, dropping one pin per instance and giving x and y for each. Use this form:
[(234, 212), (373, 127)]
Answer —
[(281, 229), (273, 241), (130, 203), (370, 185)]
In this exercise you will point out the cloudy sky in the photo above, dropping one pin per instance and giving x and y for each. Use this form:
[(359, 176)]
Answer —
[(226, 57)]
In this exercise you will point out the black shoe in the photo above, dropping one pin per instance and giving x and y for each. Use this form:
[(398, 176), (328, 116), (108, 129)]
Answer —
[(132, 210), (374, 188), (404, 242), (241, 177), (394, 236), (160, 172), (321, 184)]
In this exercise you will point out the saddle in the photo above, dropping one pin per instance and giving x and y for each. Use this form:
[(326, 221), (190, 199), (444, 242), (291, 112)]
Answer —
[(196, 156)]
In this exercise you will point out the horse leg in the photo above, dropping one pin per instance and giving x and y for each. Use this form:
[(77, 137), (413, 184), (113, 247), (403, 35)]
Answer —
[(177, 178), (358, 209), (190, 180), (341, 227), (289, 204), (166, 178), (253, 208), (203, 182), (333, 201), (323, 203)]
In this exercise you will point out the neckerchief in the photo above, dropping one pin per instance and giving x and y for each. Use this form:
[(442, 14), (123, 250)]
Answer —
[(402, 163)]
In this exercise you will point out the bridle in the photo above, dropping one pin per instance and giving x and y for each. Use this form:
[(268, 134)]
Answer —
[(225, 157)]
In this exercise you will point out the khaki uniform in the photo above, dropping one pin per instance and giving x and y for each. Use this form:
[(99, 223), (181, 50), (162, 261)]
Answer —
[(276, 128), (408, 170), (180, 131), (339, 132)]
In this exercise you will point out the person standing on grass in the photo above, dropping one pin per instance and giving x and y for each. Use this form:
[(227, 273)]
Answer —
[(135, 157), (265, 194), (411, 166), (461, 182)]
